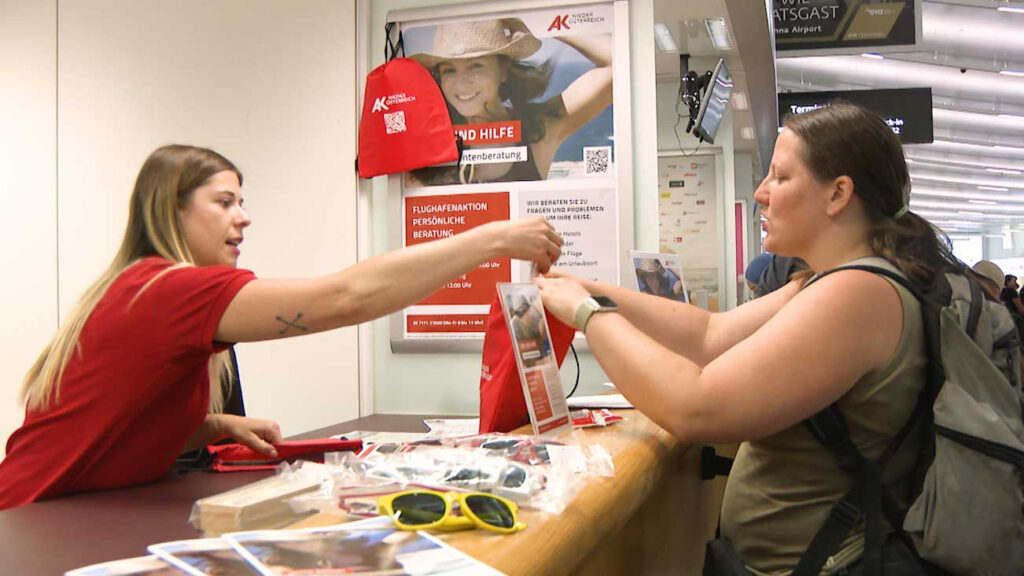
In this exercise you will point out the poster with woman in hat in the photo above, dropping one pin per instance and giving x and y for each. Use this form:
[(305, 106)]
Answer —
[(531, 94), (527, 107)]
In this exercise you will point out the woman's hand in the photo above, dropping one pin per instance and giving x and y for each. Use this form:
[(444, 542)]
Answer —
[(250, 432), (532, 238), (562, 295)]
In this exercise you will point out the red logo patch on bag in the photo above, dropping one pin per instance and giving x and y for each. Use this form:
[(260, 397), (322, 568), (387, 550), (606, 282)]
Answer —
[(405, 123), (502, 405)]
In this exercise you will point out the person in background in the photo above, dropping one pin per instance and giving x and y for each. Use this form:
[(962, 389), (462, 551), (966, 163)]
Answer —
[(134, 376), (755, 270), (480, 69), (991, 277), (780, 272), (836, 193), (1009, 294)]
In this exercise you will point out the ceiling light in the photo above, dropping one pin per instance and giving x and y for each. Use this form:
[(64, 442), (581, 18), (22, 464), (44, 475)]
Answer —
[(1005, 199), (970, 213), (994, 188), (663, 38), (1004, 171), (988, 202), (747, 133), (1010, 116), (872, 55), (739, 101), (1018, 9), (1011, 72), (719, 33)]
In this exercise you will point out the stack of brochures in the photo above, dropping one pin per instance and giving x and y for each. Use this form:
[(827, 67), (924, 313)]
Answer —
[(261, 504), (372, 546)]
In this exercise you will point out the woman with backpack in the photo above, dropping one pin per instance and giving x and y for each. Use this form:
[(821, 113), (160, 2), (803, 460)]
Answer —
[(836, 194)]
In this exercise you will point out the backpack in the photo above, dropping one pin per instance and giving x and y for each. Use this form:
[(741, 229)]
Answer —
[(405, 123), (966, 513)]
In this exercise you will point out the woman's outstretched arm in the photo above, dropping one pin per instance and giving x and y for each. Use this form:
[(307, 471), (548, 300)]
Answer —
[(267, 309)]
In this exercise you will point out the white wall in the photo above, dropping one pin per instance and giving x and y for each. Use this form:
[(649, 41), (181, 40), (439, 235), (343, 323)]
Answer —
[(270, 84), (28, 194)]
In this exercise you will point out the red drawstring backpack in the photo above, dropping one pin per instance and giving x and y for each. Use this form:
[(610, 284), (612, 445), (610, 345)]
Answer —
[(502, 405), (405, 123)]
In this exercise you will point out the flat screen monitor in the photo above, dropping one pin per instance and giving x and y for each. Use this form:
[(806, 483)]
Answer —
[(713, 104)]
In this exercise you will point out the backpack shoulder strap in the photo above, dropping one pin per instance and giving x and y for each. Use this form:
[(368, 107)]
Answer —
[(976, 297), (898, 278), (828, 427), (867, 497)]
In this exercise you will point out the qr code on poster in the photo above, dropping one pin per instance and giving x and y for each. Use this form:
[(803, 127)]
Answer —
[(394, 122), (596, 159)]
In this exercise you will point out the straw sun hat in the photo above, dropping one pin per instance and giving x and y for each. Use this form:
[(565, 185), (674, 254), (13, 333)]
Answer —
[(507, 36), (990, 270), (649, 265)]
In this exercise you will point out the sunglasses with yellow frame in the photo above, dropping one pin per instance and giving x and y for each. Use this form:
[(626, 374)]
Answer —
[(433, 510)]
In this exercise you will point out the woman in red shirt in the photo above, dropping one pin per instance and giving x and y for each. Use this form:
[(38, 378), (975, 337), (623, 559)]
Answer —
[(136, 373)]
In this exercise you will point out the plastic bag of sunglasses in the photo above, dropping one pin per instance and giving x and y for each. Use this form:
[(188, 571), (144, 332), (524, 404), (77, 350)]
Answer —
[(534, 472), (532, 450)]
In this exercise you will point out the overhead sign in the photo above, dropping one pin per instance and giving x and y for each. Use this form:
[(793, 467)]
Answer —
[(845, 26), (908, 111)]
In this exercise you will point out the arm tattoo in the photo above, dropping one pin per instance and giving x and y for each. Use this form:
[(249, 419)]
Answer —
[(291, 324)]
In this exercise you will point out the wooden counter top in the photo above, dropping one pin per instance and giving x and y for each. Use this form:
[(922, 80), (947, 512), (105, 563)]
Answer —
[(654, 512)]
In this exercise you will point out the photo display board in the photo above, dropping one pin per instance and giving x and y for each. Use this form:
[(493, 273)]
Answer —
[(532, 94)]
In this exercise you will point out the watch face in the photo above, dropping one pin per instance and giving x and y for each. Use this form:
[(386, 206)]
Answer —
[(606, 302)]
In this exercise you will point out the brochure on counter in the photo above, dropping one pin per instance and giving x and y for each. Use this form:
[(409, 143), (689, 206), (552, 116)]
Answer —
[(535, 357), (372, 546), (203, 556)]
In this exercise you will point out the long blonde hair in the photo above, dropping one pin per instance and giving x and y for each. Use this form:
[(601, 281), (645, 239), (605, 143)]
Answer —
[(164, 186)]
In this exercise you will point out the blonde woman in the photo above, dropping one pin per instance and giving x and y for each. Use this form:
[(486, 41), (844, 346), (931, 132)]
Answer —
[(134, 376)]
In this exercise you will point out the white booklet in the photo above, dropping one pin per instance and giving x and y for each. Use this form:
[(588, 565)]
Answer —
[(372, 546), (659, 273), (203, 557), (535, 358), (141, 566), (600, 401)]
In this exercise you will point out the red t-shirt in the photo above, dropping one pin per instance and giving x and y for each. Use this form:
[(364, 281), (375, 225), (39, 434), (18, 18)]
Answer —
[(136, 391)]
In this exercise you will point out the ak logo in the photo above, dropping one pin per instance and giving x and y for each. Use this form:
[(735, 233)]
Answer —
[(559, 23), (379, 105)]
